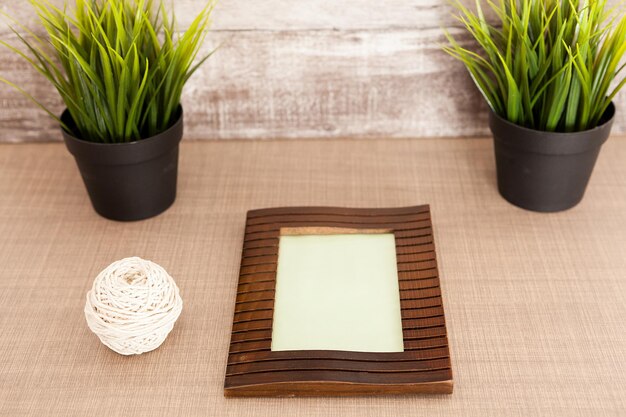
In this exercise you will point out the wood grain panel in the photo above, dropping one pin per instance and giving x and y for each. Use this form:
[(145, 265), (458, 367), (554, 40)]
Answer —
[(295, 84), (302, 70), (436, 353), (424, 381), (281, 15), (424, 366), (338, 211), (333, 364)]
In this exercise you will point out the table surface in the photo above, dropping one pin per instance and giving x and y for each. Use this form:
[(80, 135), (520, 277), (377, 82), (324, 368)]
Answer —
[(535, 303)]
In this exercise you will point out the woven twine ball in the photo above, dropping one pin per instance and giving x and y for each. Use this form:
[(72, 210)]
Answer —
[(133, 305)]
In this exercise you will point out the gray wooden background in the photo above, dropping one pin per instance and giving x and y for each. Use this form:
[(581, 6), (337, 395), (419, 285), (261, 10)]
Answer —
[(300, 69)]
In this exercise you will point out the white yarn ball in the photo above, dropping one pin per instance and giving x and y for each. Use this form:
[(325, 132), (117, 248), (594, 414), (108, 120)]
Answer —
[(133, 305)]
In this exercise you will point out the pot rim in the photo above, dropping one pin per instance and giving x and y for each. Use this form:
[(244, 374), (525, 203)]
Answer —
[(607, 117), (69, 135), (138, 151), (551, 143)]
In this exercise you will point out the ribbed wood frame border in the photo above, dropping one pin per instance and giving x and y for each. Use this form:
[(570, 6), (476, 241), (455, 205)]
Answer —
[(424, 366)]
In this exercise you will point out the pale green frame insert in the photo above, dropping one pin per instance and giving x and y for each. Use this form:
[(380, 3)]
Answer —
[(337, 289)]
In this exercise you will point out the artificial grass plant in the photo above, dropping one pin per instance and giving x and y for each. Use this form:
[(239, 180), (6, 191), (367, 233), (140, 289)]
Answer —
[(552, 65), (119, 65)]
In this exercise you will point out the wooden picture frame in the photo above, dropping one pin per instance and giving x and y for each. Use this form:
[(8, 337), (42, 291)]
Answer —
[(253, 369)]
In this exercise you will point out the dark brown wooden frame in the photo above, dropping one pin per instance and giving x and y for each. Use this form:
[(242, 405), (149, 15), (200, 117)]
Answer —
[(424, 366)]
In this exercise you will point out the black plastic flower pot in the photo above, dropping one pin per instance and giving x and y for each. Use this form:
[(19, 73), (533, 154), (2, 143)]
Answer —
[(546, 171), (129, 181)]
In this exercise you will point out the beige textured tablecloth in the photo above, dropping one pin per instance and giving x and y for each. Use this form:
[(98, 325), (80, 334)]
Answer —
[(535, 303)]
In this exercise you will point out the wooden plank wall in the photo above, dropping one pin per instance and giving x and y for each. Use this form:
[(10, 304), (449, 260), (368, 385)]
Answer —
[(295, 69)]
